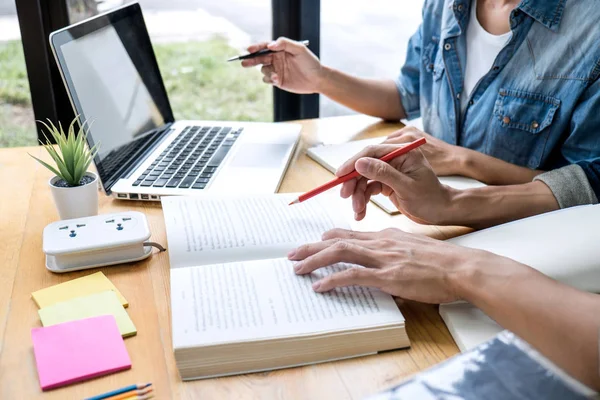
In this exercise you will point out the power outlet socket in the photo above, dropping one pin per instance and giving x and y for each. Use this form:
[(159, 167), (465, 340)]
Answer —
[(91, 242)]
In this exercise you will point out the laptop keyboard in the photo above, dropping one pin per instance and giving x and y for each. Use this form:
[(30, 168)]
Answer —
[(114, 160), (191, 160)]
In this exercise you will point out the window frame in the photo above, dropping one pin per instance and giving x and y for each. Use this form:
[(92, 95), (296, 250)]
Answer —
[(296, 19), (37, 19)]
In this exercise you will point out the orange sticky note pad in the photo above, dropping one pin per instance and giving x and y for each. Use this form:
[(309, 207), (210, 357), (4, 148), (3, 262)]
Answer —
[(78, 350)]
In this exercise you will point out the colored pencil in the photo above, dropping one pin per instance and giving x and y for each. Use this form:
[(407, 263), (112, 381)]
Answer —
[(354, 174), (145, 397), (132, 393), (125, 389)]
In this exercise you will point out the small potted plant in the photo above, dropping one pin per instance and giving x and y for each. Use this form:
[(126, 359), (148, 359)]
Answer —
[(74, 188)]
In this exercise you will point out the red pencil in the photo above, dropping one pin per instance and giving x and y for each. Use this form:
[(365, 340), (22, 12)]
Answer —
[(337, 181)]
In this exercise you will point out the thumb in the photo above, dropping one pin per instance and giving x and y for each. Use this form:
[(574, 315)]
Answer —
[(380, 171), (287, 45)]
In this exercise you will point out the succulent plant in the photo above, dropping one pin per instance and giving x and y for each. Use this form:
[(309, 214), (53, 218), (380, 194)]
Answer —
[(73, 156)]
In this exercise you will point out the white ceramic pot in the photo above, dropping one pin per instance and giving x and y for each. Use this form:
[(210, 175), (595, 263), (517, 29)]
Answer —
[(76, 202)]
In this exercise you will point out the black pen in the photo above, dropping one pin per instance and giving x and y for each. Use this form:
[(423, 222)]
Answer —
[(260, 53)]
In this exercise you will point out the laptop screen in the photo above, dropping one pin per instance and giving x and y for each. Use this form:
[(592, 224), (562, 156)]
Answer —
[(115, 84)]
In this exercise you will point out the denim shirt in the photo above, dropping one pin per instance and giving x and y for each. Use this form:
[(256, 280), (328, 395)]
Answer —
[(538, 106)]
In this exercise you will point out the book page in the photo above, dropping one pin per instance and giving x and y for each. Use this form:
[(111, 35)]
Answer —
[(265, 299), (218, 228)]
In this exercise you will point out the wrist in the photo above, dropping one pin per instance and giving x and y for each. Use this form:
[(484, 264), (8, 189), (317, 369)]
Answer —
[(482, 278), (450, 213), (475, 273), (464, 276), (487, 206), (476, 208), (464, 161), (323, 80)]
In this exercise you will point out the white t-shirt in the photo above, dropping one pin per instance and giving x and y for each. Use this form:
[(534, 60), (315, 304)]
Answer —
[(482, 50)]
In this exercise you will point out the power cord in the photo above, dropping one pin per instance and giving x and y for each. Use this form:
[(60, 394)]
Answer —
[(153, 244)]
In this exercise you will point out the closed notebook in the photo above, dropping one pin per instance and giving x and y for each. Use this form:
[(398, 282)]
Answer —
[(78, 350), (90, 284), (104, 303)]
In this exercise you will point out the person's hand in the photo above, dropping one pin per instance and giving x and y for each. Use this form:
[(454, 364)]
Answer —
[(409, 266), (444, 158), (407, 180), (293, 67)]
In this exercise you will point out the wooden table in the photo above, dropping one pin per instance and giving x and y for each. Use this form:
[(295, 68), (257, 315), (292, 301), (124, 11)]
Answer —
[(26, 207)]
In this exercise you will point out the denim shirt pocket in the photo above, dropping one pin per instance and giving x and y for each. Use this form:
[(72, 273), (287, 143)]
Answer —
[(432, 59), (521, 126)]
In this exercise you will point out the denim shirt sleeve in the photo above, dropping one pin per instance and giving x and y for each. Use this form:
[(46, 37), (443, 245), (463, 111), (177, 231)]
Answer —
[(581, 148), (408, 82)]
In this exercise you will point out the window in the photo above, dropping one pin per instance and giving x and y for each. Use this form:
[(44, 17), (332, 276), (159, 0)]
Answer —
[(369, 39), (82, 9), (17, 123), (192, 41)]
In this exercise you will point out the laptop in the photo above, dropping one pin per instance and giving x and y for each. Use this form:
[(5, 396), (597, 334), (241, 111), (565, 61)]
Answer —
[(114, 83)]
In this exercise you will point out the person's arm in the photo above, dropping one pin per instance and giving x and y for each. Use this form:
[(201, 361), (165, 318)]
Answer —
[(375, 97), (493, 205), (515, 196), (387, 99), (447, 159), (294, 68), (492, 170), (561, 322), (413, 187)]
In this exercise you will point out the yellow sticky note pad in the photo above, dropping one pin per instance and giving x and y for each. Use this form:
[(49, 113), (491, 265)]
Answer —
[(94, 305), (86, 285)]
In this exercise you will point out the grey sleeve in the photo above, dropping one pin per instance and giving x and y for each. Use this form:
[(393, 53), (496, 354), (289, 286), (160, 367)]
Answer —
[(570, 186)]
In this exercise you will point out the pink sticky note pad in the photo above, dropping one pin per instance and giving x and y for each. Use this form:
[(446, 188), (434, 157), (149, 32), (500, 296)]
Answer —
[(78, 350)]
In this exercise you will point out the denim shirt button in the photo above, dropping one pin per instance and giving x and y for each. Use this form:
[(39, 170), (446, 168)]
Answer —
[(447, 46), (458, 96), (506, 120), (535, 125), (460, 7)]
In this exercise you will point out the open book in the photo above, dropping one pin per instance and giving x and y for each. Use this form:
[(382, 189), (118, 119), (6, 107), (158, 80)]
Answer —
[(238, 306)]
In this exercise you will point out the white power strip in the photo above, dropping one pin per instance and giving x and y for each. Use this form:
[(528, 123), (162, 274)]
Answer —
[(91, 242)]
